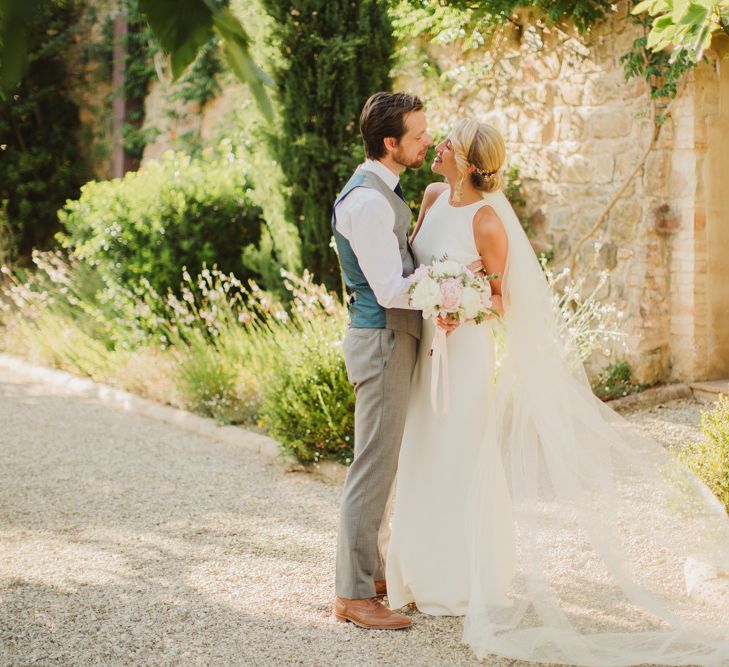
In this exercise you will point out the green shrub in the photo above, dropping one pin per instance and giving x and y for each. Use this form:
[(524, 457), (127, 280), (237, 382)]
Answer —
[(708, 458), (308, 403), (615, 381), (209, 385), (175, 213)]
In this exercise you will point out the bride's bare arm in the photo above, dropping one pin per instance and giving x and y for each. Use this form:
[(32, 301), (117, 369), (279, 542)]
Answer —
[(492, 245), (429, 196)]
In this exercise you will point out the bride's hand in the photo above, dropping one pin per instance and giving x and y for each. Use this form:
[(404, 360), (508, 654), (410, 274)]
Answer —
[(448, 324)]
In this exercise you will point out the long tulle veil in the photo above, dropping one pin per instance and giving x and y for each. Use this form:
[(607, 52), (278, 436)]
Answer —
[(591, 544)]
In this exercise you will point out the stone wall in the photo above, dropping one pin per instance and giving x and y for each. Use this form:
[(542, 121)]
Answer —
[(577, 130)]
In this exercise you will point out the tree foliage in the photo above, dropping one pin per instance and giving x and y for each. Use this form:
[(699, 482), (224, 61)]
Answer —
[(40, 162), (686, 27), (583, 13), (335, 54), (183, 27)]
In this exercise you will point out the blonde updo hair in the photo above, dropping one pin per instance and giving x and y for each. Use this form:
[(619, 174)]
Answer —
[(479, 145)]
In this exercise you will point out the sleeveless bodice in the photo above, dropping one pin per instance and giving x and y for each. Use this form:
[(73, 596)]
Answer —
[(447, 230)]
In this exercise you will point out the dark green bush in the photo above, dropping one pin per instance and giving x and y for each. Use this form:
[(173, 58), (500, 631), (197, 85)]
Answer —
[(336, 53), (40, 162), (179, 212)]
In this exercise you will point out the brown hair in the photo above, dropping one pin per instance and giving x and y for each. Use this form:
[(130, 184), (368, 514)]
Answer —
[(383, 115)]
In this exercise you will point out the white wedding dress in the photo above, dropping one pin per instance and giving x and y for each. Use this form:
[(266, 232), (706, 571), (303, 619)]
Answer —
[(429, 529), (559, 531)]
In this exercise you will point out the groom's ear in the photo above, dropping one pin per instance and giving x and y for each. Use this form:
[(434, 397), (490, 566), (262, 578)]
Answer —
[(390, 143)]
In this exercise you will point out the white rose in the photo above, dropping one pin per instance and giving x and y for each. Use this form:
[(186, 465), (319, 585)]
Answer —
[(447, 267), (471, 303), (426, 296)]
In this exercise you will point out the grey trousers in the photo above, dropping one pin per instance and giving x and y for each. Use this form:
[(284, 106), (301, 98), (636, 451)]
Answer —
[(379, 364)]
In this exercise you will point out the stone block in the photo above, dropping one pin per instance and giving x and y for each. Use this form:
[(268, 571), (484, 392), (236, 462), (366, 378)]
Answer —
[(634, 89), (684, 127), (559, 219), (545, 94), (607, 255), (570, 93), (603, 49), (625, 162), (624, 253), (655, 173), (576, 169), (562, 248), (625, 220), (611, 124), (531, 130), (623, 42), (603, 168), (548, 131), (570, 125), (600, 91), (548, 65)]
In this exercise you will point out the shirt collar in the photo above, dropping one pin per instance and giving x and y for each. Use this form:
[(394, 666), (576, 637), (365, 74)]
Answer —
[(379, 169)]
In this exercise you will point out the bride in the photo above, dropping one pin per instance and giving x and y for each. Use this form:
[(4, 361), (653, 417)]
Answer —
[(559, 531)]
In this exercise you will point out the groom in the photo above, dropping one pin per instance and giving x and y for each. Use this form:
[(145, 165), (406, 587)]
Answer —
[(371, 222)]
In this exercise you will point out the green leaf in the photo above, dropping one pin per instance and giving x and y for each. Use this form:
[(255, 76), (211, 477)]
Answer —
[(642, 7), (653, 7), (679, 9), (696, 15), (14, 19), (235, 44), (182, 27), (658, 35)]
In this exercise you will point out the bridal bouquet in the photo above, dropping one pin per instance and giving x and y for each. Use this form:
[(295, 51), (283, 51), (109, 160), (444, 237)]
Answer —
[(449, 289), (446, 288)]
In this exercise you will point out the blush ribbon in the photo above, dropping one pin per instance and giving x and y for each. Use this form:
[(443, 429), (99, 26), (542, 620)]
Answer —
[(439, 352)]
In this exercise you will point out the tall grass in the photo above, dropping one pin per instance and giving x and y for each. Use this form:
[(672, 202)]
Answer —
[(221, 348), (215, 346)]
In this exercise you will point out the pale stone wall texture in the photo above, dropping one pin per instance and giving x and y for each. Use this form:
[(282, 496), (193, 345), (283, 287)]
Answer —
[(577, 129)]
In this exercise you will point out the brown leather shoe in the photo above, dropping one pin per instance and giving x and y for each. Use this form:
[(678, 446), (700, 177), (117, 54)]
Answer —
[(369, 613), (380, 588)]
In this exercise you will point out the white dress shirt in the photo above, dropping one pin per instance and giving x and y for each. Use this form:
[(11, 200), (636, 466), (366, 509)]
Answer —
[(366, 219)]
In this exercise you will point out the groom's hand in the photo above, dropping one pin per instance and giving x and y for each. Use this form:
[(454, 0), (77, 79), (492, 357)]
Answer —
[(476, 267)]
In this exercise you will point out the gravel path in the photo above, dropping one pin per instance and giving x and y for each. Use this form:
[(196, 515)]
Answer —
[(126, 541)]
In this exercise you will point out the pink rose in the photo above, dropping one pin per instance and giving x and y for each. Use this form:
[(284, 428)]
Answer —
[(451, 290)]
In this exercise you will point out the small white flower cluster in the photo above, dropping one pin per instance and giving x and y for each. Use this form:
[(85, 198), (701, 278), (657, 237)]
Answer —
[(586, 323), (448, 289)]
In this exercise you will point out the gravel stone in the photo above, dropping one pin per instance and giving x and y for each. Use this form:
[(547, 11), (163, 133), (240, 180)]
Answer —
[(128, 541)]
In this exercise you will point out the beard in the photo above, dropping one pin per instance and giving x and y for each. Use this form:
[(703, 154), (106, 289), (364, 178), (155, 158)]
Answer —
[(410, 162)]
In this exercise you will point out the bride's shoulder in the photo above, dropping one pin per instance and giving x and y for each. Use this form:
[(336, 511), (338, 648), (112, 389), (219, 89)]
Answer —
[(487, 225), (433, 191)]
